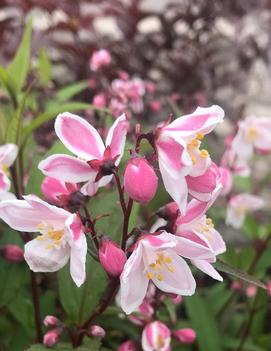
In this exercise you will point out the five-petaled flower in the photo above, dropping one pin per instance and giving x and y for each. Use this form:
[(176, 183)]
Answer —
[(61, 235)]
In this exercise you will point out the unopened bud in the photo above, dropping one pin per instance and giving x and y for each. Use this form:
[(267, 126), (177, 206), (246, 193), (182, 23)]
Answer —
[(112, 257), (251, 290), (12, 253), (51, 337), (96, 330), (236, 285), (185, 335), (128, 345), (140, 180), (177, 299), (51, 321)]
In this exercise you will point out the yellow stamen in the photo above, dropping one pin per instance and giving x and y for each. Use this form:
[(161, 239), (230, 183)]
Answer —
[(200, 136), (160, 277), (160, 341), (204, 153), (150, 275), (168, 260), (252, 134), (193, 159)]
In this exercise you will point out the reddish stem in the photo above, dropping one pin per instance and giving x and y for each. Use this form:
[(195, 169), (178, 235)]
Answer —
[(92, 228), (120, 190)]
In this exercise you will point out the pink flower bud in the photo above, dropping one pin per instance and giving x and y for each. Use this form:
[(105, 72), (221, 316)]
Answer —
[(140, 180), (269, 288), (176, 300), (99, 59), (129, 345), (185, 335), (156, 336), (96, 330), (236, 285), (53, 189), (12, 253), (155, 105), (51, 337), (251, 290), (50, 321), (99, 100), (112, 258)]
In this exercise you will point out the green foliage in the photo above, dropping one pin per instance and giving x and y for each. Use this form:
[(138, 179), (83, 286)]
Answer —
[(71, 90), (44, 67)]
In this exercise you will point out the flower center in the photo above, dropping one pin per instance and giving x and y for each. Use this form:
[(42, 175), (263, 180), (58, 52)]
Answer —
[(160, 341), (4, 168), (206, 227), (159, 266), (252, 134), (193, 148), (53, 236)]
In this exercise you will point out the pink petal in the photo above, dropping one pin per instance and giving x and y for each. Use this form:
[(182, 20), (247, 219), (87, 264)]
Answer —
[(192, 250), (8, 154), (41, 259), (133, 282), (181, 281), (67, 168), (203, 120), (79, 136), (4, 183), (117, 136), (207, 268)]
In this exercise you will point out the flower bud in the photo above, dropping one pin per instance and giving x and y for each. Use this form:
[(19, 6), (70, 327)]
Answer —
[(129, 345), (50, 321), (96, 330), (99, 59), (112, 258), (177, 299), (236, 285), (54, 190), (185, 335), (140, 180), (12, 253), (251, 290), (99, 100), (51, 337), (156, 336)]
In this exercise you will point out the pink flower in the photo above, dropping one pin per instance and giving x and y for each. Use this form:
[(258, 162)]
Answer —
[(236, 285), (93, 157), (55, 190), (97, 331), (251, 290), (128, 345), (8, 154), (140, 180), (12, 253), (179, 153), (51, 337), (112, 258), (99, 100), (156, 337), (157, 258), (226, 180), (62, 237), (239, 205), (254, 133), (155, 105), (185, 335), (99, 59), (51, 321)]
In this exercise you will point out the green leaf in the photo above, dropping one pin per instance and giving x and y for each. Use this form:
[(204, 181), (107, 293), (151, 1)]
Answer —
[(70, 91), (53, 112), (79, 303), (226, 268), (19, 67), (44, 67), (3, 128), (204, 323), (9, 85)]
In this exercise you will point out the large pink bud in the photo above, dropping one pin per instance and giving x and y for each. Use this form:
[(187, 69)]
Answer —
[(185, 335), (140, 180), (112, 258), (12, 253), (128, 345), (156, 336)]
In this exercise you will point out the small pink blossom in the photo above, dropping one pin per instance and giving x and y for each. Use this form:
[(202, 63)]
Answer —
[(97, 331), (128, 345), (140, 180), (251, 290), (61, 235), (185, 335), (236, 285), (238, 207), (112, 257), (12, 253), (99, 59), (99, 100), (226, 180), (179, 153), (51, 321), (51, 337), (94, 159), (156, 337), (155, 106)]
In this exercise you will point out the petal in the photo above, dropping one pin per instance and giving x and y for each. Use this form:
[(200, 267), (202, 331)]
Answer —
[(8, 154), (4, 182), (7, 196), (207, 268), (213, 240), (133, 282), (192, 250), (159, 242), (241, 147), (41, 259), (116, 137), (203, 120), (205, 183), (79, 136), (89, 189), (181, 281), (234, 218), (67, 168)]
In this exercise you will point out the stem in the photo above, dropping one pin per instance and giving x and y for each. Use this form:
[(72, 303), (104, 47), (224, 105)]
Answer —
[(120, 190), (92, 228), (35, 298), (126, 223)]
